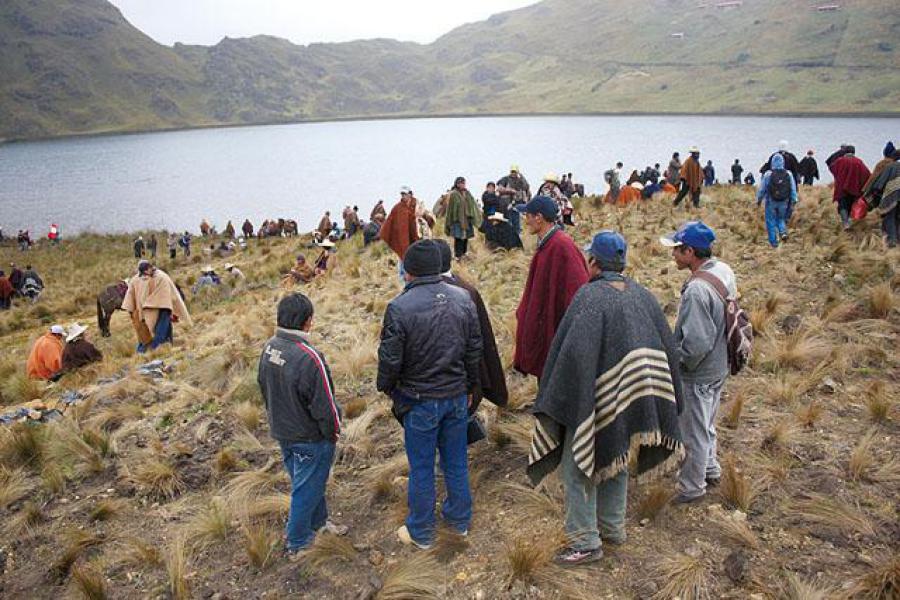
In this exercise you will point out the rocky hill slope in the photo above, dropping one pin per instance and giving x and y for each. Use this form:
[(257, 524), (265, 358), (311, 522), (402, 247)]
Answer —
[(77, 66), (170, 486)]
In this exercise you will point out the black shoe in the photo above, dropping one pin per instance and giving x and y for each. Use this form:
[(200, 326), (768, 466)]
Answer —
[(713, 481), (784, 237), (682, 499)]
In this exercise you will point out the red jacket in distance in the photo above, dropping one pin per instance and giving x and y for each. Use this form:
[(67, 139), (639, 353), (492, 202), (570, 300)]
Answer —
[(850, 175), (557, 271)]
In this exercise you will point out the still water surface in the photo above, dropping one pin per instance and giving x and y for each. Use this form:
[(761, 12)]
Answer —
[(173, 180)]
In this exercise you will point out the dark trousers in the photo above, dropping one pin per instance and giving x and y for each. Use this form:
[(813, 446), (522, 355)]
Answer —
[(173, 253), (5, 303), (890, 224), (808, 180), (685, 188), (460, 247)]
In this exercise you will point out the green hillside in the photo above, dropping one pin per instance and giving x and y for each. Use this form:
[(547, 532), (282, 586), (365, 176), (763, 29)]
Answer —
[(77, 66)]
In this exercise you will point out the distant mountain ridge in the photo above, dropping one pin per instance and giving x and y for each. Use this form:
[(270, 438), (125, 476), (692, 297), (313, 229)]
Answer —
[(78, 66)]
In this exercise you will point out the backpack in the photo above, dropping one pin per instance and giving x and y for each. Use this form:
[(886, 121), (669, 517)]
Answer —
[(779, 186), (738, 330), (608, 176)]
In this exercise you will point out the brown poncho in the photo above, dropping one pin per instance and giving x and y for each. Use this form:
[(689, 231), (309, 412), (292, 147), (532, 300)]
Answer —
[(400, 230), (692, 173), (79, 353), (147, 295)]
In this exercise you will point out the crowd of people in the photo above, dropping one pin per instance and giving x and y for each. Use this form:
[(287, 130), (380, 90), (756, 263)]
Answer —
[(617, 385)]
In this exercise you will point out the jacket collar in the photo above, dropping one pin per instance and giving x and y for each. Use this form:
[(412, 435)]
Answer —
[(423, 281), (547, 236), (293, 335)]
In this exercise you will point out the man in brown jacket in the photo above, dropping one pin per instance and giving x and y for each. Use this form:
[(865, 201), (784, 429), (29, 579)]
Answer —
[(691, 178)]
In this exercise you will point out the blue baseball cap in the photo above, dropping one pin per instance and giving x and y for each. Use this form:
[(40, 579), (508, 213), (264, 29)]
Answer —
[(608, 247), (540, 205), (693, 233)]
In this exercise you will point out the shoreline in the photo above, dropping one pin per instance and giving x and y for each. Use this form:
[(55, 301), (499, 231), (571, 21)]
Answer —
[(485, 115)]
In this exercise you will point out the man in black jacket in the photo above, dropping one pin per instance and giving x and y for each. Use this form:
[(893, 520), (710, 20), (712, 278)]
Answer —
[(303, 417), (428, 363), (809, 169)]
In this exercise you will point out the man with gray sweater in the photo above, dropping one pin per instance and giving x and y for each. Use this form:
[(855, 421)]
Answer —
[(700, 337)]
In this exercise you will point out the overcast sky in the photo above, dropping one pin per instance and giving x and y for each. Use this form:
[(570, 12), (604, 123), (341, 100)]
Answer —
[(305, 21)]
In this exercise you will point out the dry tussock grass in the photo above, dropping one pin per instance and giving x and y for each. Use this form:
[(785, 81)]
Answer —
[(795, 351), (22, 445), (738, 530), (881, 580), (14, 485), (534, 504), (248, 486), (862, 459), (89, 583), (328, 548), (877, 402), (75, 542), (796, 588), (736, 489), (209, 525), (882, 301), (107, 509), (734, 409), (176, 560), (419, 577), (25, 522), (527, 557), (835, 514), (683, 576), (260, 543), (248, 414), (654, 501), (158, 478)]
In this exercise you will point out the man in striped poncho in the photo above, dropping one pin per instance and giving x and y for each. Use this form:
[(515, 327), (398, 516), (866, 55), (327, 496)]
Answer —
[(609, 397)]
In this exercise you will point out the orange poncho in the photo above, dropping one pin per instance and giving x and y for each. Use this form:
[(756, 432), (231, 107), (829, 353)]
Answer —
[(692, 173), (400, 229), (45, 359), (668, 188), (627, 195)]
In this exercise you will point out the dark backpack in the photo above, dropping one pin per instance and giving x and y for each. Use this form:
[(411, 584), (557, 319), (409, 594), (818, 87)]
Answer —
[(779, 187), (738, 330)]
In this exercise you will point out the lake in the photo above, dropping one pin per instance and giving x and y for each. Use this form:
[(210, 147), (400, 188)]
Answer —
[(174, 179)]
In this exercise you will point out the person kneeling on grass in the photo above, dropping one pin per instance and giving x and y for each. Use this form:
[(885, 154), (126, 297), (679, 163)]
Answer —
[(303, 417), (428, 363), (609, 396)]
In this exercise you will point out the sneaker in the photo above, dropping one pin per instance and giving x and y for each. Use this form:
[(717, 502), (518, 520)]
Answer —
[(713, 481), (571, 556), (683, 499), (334, 529), (784, 237), (295, 555), (407, 539)]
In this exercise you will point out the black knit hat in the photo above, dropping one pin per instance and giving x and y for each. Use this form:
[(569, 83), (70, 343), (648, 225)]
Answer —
[(294, 310), (446, 255), (423, 258)]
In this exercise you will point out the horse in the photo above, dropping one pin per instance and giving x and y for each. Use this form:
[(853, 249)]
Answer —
[(109, 301), (290, 228)]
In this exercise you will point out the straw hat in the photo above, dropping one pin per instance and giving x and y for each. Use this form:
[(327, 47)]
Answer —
[(498, 217), (551, 177), (75, 332), (326, 244), (207, 269), (228, 266), (637, 185), (694, 150)]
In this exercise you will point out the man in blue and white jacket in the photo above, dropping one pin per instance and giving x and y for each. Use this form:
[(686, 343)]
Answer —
[(304, 418)]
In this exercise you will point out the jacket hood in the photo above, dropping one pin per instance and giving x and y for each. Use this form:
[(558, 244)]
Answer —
[(778, 161), (889, 149)]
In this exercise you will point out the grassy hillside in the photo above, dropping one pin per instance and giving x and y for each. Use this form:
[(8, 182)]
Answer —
[(76, 67), (172, 487)]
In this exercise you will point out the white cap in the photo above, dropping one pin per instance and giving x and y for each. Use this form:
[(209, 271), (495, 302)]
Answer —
[(228, 266), (405, 190), (58, 330)]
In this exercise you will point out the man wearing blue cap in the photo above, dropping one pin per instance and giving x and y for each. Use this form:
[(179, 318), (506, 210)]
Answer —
[(609, 396), (700, 337), (557, 271)]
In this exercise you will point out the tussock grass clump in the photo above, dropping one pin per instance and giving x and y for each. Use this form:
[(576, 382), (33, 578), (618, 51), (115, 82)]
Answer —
[(113, 417), (739, 531), (527, 557), (732, 414), (260, 543), (158, 478), (75, 542), (249, 414), (861, 460), (225, 461), (22, 445), (654, 501), (881, 581), (354, 408), (778, 438), (177, 569), (211, 524), (760, 319), (67, 447), (27, 519), (89, 583), (795, 351), (18, 388), (809, 414), (882, 301), (534, 504), (139, 553), (247, 486), (795, 588), (877, 402), (268, 505), (417, 578), (736, 489), (107, 509), (13, 486), (831, 513), (328, 548), (683, 576)]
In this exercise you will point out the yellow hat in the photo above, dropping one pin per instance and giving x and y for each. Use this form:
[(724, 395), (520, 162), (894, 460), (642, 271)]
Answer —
[(513, 168), (551, 177)]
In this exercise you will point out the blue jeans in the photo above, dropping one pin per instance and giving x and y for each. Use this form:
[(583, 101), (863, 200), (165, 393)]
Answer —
[(162, 333), (429, 426), (593, 510), (515, 219), (308, 464), (776, 220)]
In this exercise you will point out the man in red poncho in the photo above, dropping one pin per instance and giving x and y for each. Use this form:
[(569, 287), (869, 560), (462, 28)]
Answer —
[(850, 175), (557, 271), (399, 230)]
